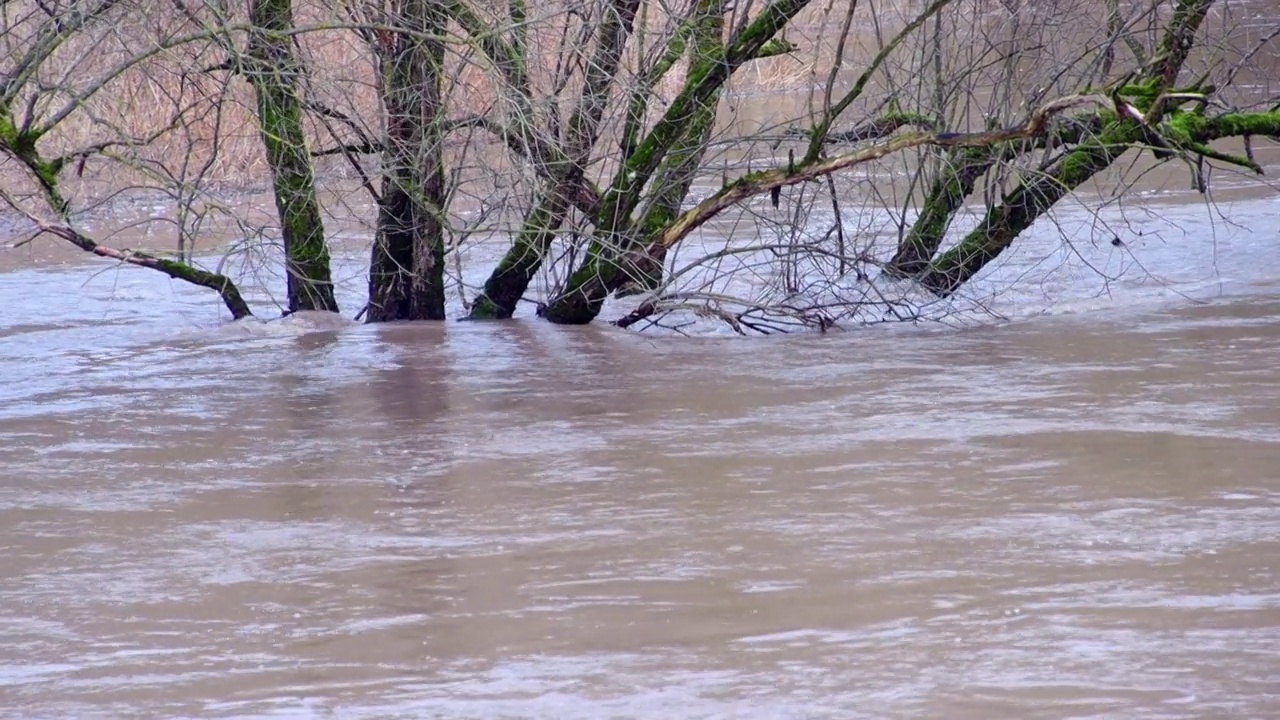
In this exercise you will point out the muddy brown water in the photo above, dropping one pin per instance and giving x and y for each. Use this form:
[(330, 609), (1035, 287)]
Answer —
[(1071, 516), (1055, 517)]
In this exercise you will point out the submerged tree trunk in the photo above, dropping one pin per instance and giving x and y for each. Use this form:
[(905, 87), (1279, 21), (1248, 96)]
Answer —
[(602, 272), (680, 166), (406, 273), (1020, 208), (961, 169), (272, 70), (515, 272)]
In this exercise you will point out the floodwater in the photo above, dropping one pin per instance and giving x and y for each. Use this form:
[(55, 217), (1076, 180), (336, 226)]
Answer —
[(1054, 517)]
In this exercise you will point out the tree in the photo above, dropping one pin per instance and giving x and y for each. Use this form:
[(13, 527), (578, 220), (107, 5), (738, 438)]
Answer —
[(406, 276), (272, 68)]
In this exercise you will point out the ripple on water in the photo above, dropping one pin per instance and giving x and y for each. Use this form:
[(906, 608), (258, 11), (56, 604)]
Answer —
[(1064, 517)]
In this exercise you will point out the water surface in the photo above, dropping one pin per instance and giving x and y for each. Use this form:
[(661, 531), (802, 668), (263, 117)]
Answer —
[(1060, 517)]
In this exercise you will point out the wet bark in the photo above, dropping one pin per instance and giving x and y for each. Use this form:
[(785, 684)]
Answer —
[(1020, 209), (272, 70), (509, 281), (959, 175), (584, 294), (406, 272), (514, 273), (676, 174), (956, 179)]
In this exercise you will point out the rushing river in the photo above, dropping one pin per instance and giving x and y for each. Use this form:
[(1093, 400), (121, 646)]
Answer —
[(1069, 516)]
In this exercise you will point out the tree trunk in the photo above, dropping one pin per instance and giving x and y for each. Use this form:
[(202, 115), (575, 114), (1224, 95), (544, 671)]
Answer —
[(1020, 208), (273, 70), (513, 275), (680, 166), (960, 172), (406, 272), (509, 281), (580, 301)]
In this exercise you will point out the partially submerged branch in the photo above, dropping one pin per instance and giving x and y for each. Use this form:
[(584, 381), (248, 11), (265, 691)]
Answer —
[(178, 270), (583, 295)]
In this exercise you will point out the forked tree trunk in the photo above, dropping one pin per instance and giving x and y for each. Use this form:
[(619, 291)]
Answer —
[(272, 69), (406, 273), (961, 169), (516, 271), (1019, 209), (601, 272), (680, 166)]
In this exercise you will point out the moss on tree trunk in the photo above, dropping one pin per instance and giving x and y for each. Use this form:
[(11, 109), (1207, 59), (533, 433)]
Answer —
[(1019, 209), (601, 272), (680, 166), (272, 70), (509, 281), (959, 173)]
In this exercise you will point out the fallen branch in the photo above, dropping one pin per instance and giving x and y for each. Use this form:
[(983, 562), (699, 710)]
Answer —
[(174, 269)]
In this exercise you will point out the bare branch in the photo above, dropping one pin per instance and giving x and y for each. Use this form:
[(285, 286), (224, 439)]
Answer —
[(764, 181), (178, 270)]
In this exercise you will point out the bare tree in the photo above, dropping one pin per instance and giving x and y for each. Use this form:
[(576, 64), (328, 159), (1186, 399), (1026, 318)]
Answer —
[(406, 278)]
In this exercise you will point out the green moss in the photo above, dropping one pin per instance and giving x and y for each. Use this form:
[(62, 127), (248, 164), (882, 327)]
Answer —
[(775, 47), (485, 309), (22, 145), (953, 184), (272, 72), (1141, 94), (510, 279), (1020, 208), (1195, 127)]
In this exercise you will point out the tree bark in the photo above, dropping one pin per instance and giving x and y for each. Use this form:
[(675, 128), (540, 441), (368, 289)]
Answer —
[(515, 272), (583, 296), (1019, 209), (272, 69), (680, 166), (406, 272), (960, 172)]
